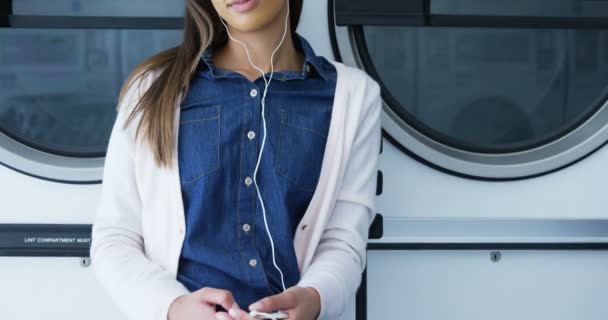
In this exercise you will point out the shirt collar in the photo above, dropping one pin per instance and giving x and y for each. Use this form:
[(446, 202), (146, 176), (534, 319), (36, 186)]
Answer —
[(310, 57), (312, 62)]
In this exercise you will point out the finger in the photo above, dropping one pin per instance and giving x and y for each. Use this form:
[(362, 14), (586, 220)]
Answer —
[(285, 300), (240, 315), (217, 296), (223, 316)]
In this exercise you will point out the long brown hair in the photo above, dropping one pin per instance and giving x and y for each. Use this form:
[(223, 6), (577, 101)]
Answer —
[(202, 29)]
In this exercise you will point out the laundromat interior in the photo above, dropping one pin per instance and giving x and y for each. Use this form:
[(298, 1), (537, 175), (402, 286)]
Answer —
[(492, 185)]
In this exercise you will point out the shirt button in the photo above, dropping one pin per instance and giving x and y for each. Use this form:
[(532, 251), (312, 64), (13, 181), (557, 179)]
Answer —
[(250, 135), (248, 181), (181, 230), (253, 93), (307, 68), (253, 263), (246, 227)]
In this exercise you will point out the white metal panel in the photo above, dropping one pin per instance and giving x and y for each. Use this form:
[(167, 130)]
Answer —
[(51, 289), (414, 190), (465, 285), (313, 26), (26, 199)]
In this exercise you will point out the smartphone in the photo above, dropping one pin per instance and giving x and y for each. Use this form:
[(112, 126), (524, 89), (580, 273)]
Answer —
[(269, 316)]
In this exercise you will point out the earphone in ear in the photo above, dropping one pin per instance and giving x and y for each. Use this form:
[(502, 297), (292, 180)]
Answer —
[(267, 83)]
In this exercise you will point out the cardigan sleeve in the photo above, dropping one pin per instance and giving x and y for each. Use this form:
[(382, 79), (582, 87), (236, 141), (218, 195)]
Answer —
[(139, 287), (340, 258)]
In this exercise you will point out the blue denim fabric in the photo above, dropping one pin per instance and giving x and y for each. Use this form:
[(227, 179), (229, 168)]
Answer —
[(216, 156)]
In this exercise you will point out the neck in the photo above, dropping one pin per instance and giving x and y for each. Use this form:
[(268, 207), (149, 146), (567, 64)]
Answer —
[(260, 43)]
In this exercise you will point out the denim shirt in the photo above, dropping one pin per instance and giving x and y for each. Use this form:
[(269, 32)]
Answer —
[(226, 245)]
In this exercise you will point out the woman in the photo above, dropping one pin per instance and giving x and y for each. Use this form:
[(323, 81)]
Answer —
[(240, 173)]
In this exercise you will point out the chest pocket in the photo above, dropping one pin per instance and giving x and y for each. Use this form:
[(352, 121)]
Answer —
[(198, 142), (300, 147)]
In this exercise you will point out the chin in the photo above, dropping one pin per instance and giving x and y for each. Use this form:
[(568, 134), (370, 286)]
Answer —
[(249, 22)]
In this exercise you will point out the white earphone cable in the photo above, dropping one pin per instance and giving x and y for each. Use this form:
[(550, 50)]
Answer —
[(267, 83)]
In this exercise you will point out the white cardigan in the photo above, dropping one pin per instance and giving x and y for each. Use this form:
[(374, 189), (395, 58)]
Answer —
[(139, 227)]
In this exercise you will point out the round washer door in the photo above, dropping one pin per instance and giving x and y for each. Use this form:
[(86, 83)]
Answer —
[(61, 70), (485, 89)]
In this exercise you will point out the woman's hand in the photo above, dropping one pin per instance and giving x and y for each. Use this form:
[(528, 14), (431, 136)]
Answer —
[(299, 303), (200, 305)]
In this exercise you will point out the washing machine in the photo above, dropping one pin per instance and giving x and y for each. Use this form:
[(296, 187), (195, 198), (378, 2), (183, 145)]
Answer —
[(495, 124), (62, 64)]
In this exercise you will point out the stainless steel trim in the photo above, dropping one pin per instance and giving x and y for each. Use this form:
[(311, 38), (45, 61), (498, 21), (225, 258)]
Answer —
[(464, 230), (49, 166)]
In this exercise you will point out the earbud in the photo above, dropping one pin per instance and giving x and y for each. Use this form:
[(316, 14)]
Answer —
[(266, 84)]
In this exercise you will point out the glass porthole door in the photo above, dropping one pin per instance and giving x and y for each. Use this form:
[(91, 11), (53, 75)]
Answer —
[(485, 89), (62, 64)]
